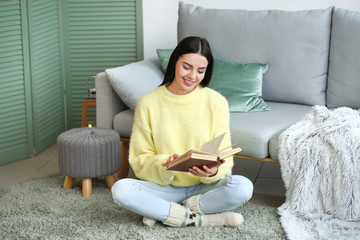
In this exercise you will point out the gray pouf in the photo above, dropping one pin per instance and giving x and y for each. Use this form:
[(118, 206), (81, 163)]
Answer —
[(88, 153)]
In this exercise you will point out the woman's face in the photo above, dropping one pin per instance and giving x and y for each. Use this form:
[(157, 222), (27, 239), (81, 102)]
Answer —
[(189, 72)]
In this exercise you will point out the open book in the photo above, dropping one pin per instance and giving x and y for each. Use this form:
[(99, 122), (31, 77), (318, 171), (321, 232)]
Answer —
[(208, 155)]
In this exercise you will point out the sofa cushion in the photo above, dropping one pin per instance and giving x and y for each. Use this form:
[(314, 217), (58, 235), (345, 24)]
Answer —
[(295, 44), (241, 84), (123, 122), (344, 71), (253, 131), (134, 80), (250, 131), (274, 146)]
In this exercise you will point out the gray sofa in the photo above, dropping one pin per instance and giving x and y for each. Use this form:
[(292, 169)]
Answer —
[(313, 58)]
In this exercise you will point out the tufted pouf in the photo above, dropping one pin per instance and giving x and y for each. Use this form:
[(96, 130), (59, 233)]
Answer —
[(89, 153)]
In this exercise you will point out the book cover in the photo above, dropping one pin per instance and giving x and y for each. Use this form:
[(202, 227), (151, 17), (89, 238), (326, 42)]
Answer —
[(208, 155)]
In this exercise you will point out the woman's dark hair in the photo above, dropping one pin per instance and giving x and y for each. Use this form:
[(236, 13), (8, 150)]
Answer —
[(190, 45)]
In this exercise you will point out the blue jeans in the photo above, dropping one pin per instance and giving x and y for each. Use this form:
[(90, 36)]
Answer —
[(153, 200)]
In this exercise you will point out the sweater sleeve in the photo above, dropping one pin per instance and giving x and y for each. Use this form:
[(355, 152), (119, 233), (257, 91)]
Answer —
[(221, 124), (143, 157)]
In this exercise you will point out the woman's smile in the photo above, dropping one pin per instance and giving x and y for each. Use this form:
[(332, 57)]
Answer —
[(189, 82)]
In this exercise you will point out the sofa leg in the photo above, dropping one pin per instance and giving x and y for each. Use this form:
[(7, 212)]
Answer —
[(124, 168)]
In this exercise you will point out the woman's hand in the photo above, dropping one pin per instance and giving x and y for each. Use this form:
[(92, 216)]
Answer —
[(170, 159), (204, 171)]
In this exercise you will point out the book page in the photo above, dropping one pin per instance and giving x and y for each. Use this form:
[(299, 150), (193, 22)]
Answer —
[(229, 153), (213, 145)]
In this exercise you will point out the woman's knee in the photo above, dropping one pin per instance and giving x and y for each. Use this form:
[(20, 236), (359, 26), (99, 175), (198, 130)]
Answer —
[(122, 191), (243, 188)]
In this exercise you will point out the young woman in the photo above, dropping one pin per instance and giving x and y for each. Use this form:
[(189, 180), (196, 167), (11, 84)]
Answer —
[(179, 115)]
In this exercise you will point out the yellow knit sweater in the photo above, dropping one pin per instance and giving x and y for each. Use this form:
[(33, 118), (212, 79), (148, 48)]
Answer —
[(166, 123)]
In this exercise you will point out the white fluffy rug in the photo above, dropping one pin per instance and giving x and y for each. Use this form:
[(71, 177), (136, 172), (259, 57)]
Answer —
[(320, 165)]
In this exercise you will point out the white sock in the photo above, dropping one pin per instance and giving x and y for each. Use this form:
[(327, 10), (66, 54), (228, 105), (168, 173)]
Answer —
[(181, 216), (149, 222), (193, 203), (229, 219)]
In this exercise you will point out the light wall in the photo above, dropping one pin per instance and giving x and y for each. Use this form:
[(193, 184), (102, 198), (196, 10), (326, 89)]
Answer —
[(160, 16)]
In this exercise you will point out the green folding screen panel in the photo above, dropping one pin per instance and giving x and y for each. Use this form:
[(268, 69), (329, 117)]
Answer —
[(48, 49), (97, 35), (46, 72), (15, 115)]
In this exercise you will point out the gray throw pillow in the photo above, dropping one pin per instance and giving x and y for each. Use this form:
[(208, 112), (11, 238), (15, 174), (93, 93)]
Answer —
[(134, 80), (295, 44)]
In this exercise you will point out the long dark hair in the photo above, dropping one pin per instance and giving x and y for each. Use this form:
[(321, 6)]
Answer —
[(190, 45)]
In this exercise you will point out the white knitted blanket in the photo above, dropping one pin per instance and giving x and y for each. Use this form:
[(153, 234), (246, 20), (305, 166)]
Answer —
[(320, 164)]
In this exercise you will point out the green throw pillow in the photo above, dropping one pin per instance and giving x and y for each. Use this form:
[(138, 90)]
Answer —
[(164, 57), (240, 84)]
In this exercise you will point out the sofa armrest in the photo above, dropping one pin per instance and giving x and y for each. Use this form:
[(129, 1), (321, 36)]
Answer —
[(108, 103)]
